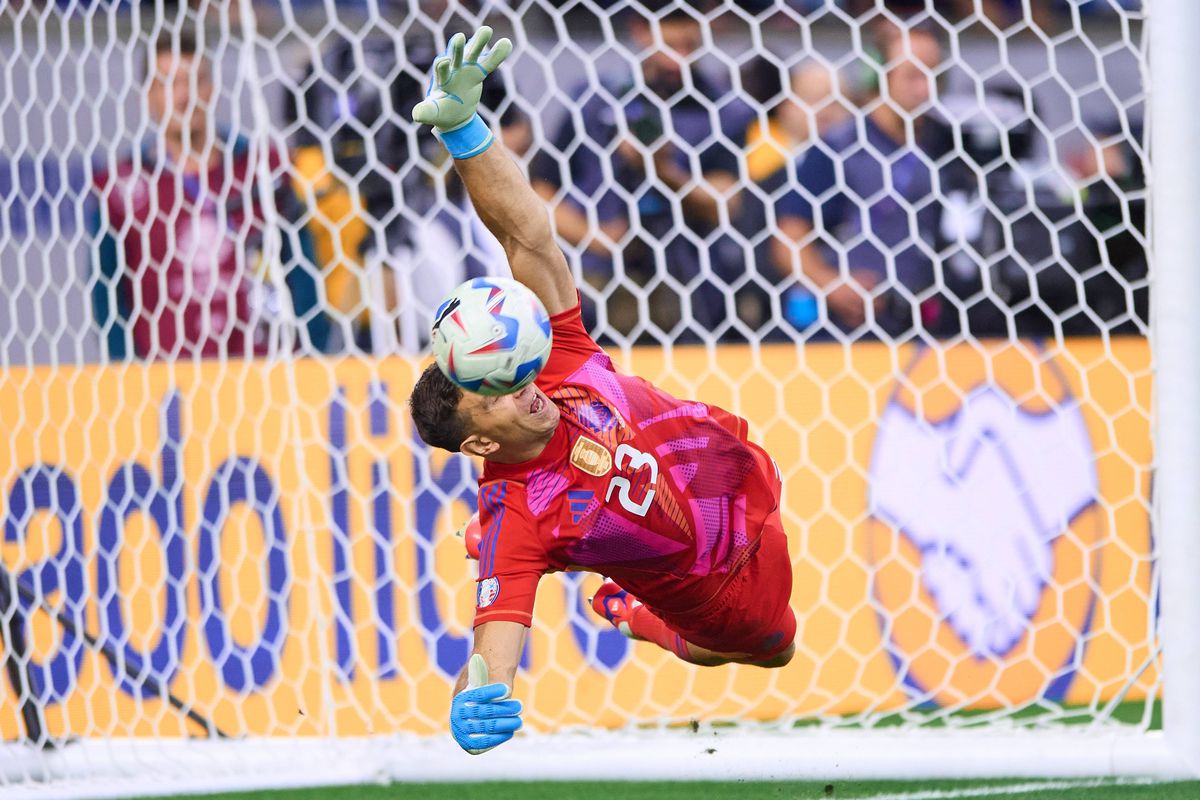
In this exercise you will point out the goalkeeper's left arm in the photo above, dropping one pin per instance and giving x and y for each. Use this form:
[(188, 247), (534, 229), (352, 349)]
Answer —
[(502, 196)]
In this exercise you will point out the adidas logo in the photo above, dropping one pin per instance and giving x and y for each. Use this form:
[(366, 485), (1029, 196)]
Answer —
[(578, 501)]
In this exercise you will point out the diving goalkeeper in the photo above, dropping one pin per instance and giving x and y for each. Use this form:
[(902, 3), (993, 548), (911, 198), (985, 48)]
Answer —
[(589, 469)]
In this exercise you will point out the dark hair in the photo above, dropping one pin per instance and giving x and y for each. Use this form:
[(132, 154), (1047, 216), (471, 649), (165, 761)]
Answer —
[(434, 406), (878, 38), (884, 35), (761, 80), (169, 43)]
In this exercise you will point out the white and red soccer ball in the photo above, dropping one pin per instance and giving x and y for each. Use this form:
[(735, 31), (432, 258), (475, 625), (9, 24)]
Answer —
[(491, 336)]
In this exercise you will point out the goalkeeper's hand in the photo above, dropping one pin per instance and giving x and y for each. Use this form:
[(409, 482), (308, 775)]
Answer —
[(458, 75), (481, 717)]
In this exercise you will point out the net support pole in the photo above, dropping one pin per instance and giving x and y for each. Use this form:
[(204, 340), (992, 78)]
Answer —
[(15, 649), (1174, 50)]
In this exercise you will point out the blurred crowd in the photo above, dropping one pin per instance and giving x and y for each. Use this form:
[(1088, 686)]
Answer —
[(699, 202)]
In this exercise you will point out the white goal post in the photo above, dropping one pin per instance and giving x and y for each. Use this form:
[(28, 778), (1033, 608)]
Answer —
[(226, 560), (1178, 381)]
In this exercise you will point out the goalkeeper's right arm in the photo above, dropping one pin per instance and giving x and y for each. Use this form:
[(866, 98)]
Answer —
[(502, 196), (482, 716)]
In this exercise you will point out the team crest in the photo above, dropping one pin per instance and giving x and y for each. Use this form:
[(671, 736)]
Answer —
[(599, 417), (487, 591), (591, 457)]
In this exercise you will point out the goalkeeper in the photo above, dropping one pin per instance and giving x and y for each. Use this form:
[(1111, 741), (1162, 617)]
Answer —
[(591, 469)]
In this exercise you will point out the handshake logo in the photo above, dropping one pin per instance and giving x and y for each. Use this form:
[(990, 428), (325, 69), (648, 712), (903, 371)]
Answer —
[(983, 528)]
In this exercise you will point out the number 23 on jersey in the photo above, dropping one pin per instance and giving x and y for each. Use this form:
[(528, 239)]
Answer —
[(631, 459)]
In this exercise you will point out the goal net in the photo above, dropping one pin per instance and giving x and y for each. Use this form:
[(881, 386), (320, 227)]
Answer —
[(906, 240)]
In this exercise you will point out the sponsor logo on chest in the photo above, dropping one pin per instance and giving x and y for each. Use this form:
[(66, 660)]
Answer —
[(591, 457)]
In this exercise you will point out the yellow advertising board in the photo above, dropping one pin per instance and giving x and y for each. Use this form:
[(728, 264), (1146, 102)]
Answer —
[(268, 546)]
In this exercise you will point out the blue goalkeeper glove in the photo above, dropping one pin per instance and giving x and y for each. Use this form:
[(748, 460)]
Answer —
[(449, 105), (480, 716)]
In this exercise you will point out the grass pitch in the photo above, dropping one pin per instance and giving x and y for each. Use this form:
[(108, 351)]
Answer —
[(1026, 789)]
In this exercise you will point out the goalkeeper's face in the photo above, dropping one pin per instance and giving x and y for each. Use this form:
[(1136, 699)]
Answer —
[(508, 427)]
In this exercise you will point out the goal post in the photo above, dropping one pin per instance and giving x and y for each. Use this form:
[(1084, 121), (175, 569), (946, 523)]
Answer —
[(1175, 171), (910, 244)]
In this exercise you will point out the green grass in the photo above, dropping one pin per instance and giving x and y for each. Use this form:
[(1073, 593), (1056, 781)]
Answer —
[(1129, 713), (1025, 789)]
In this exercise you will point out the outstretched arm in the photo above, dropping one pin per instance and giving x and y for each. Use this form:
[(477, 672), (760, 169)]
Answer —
[(482, 715), (501, 194), (516, 216)]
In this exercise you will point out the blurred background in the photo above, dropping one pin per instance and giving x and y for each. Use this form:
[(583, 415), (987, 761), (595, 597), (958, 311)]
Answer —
[(673, 161)]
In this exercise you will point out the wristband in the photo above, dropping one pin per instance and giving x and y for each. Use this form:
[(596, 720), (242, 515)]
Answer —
[(469, 139)]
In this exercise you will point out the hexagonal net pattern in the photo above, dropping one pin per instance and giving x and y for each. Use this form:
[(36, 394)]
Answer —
[(904, 240)]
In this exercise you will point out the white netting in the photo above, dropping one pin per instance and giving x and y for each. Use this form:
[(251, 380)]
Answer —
[(217, 271)]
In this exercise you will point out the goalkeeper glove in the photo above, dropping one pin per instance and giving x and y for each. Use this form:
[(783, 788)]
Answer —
[(480, 716), (449, 105)]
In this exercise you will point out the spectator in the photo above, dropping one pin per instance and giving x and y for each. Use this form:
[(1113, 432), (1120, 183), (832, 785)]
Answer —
[(863, 218), (356, 167), (666, 160), (181, 232), (794, 121), (814, 106), (391, 218), (1001, 13), (1114, 200)]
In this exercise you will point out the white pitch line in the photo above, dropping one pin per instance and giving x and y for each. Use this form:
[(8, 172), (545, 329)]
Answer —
[(993, 791)]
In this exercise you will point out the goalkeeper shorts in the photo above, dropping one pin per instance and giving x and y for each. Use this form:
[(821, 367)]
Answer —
[(751, 614)]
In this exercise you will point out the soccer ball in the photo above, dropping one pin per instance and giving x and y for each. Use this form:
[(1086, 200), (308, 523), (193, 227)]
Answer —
[(491, 336)]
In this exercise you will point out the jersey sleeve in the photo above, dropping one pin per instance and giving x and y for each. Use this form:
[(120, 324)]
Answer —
[(511, 558), (571, 348)]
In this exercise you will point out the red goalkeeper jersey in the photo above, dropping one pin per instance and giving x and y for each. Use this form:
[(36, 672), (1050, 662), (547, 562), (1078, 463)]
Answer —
[(664, 496)]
